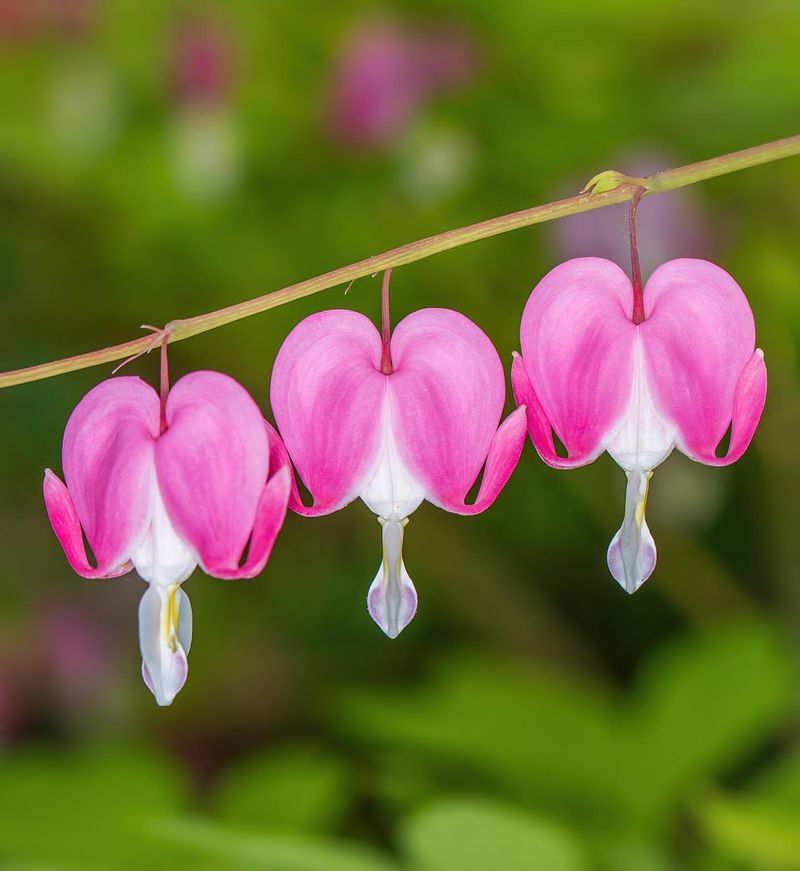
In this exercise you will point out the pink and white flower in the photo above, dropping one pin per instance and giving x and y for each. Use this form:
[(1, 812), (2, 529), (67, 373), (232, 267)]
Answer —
[(680, 378), (413, 417), (160, 490)]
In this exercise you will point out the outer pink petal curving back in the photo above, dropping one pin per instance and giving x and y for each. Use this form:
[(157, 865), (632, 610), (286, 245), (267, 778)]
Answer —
[(271, 510), (212, 465), (446, 398), (577, 342), (327, 393), (108, 467), (702, 366)]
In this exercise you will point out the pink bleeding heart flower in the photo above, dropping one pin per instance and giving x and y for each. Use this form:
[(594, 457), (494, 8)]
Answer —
[(680, 377), (413, 417), (161, 490)]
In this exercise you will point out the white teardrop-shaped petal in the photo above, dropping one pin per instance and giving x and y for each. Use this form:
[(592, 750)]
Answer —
[(632, 552), (642, 441), (392, 599), (162, 557), (392, 491), (165, 636)]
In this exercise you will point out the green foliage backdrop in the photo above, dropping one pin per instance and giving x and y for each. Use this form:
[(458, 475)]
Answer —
[(533, 716)]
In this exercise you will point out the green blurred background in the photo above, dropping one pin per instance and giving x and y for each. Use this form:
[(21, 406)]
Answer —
[(159, 160)]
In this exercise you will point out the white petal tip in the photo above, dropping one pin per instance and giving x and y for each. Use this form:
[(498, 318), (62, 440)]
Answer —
[(392, 601), (165, 692), (165, 636), (392, 609), (630, 585), (631, 555), (631, 570)]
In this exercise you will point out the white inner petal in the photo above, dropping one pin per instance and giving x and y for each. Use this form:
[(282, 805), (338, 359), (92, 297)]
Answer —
[(391, 492), (162, 557), (165, 635), (643, 439), (392, 599), (632, 552)]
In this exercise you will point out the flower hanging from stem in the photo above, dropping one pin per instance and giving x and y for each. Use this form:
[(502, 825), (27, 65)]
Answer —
[(161, 483), (394, 418), (609, 365)]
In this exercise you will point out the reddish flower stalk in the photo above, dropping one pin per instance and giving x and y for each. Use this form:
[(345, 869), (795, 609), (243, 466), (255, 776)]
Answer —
[(164, 381), (386, 326), (636, 270)]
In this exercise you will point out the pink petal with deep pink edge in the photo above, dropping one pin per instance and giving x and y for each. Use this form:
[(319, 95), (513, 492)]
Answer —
[(212, 465), (504, 453), (446, 395), (271, 511), (577, 342), (327, 393), (67, 527), (108, 462), (702, 369)]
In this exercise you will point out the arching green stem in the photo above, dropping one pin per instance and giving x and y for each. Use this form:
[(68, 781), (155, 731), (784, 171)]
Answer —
[(606, 189)]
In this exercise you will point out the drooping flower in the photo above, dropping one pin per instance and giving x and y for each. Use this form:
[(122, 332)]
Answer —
[(394, 422), (160, 487), (679, 375)]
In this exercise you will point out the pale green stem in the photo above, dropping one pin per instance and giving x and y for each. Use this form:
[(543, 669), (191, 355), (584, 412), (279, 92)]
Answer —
[(605, 189)]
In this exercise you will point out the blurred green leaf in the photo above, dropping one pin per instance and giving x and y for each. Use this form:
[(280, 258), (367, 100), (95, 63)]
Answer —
[(531, 732), (98, 235), (780, 782), (764, 836), (86, 808), (626, 854), (294, 788), (572, 748), (703, 704), (473, 835), (253, 849)]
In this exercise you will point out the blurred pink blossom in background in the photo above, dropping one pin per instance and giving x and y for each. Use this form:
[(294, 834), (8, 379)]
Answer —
[(386, 71), (23, 20), (74, 17), (206, 148), (201, 65), (78, 653), (65, 661)]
